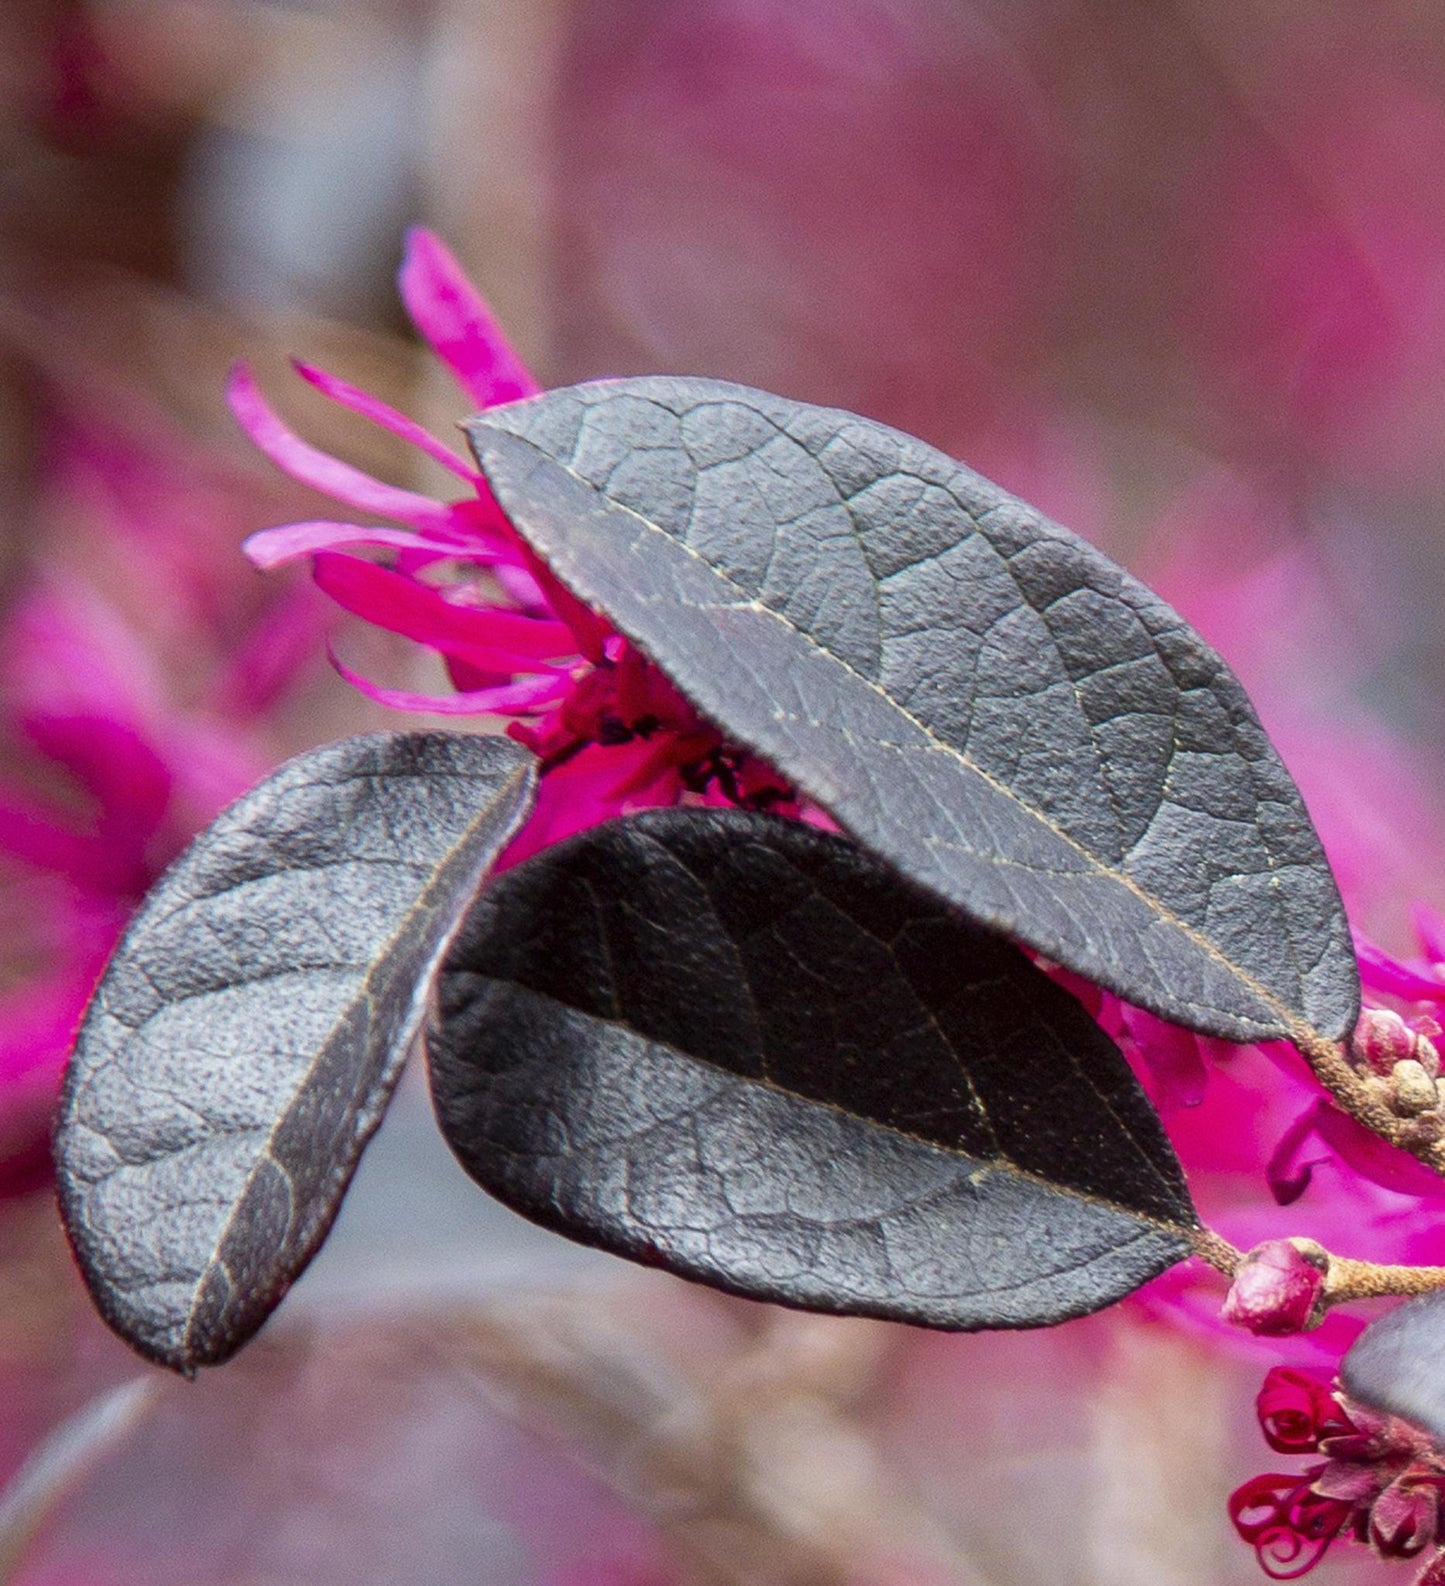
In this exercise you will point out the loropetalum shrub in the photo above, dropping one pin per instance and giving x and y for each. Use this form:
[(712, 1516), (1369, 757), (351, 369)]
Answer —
[(851, 822)]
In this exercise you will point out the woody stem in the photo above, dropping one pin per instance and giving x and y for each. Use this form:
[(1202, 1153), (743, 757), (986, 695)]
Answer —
[(1217, 1251), (1363, 1280)]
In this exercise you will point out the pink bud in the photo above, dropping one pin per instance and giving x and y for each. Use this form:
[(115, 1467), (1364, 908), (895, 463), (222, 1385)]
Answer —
[(1383, 1039), (1277, 1287), (1403, 1520), (1427, 1044)]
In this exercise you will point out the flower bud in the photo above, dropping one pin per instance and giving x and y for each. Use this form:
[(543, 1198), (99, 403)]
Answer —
[(1413, 1089), (1383, 1039), (1278, 1286)]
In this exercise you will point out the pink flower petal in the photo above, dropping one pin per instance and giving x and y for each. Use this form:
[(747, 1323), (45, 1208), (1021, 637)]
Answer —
[(811, 815), (117, 765), (1171, 1057), (449, 311), (572, 797), (281, 647), (658, 760), (67, 652), (214, 763), (359, 401), (36, 835), (523, 589), (487, 637), (1392, 978), (1430, 928), (291, 541), (1366, 1154), (312, 467), (522, 697), (1289, 1171), (590, 630)]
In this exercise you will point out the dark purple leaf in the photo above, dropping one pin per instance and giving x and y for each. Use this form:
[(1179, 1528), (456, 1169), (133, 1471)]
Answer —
[(976, 694), (1398, 1363), (246, 1037), (745, 1050)]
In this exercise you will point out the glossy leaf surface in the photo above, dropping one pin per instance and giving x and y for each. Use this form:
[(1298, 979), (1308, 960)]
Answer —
[(244, 1041), (1398, 1363), (743, 1049), (976, 694)]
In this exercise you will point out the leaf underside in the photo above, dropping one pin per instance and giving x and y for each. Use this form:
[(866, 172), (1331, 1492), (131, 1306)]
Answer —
[(1398, 1363), (745, 1050), (246, 1037), (976, 694)]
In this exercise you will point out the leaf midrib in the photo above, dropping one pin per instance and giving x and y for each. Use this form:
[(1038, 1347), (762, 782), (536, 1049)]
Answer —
[(508, 790), (989, 1164), (1297, 1029)]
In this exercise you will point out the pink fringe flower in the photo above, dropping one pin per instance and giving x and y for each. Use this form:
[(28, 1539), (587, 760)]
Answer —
[(611, 732), (1380, 1482)]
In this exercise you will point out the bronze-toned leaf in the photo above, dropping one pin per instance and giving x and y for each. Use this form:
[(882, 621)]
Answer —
[(745, 1050), (1398, 1363), (977, 695), (243, 1044)]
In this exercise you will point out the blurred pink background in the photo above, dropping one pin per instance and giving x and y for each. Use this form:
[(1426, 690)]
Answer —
[(1174, 272)]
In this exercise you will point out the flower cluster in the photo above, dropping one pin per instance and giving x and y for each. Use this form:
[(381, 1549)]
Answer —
[(1380, 1482)]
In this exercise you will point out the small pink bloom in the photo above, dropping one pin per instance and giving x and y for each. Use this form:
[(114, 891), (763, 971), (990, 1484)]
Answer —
[(1388, 976), (1289, 1525), (611, 732), (1296, 1409), (1383, 1039), (1380, 1481)]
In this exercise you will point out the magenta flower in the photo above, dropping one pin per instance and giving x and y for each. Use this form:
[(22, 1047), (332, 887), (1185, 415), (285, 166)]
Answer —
[(611, 732), (120, 736), (1381, 1481), (100, 787)]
